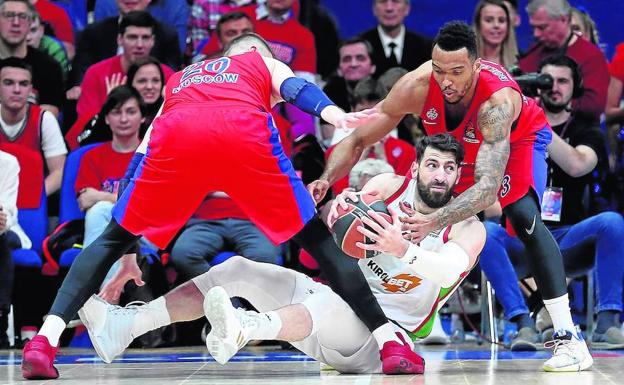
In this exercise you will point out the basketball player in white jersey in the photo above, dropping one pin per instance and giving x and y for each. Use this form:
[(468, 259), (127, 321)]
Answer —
[(411, 282)]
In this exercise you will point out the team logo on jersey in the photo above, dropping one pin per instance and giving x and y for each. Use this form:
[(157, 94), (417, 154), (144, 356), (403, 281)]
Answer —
[(502, 76), (470, 134), (432, 114), (396, 152), (401, 283), (196, 74)]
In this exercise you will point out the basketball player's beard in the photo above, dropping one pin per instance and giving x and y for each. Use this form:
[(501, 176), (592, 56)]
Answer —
[(433, 200)]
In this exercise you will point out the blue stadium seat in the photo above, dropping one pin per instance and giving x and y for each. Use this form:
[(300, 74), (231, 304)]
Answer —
[(35, 224), (69, 209)]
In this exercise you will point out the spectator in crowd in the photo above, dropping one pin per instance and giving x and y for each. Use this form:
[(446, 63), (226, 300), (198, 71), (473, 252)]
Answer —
[(28, 124), (396, 152), (37, 38), (219, 225), (102, 167), (496, 37), (100, 41), (576, 149), (614, 113), (172, 13), (60, 23), (393, 45), (229, 26), (205, 15), (47, 79), (147, 76), (11, 237), (551, 23), (136, 37), (365, 169), (354, 65), (583, 24)]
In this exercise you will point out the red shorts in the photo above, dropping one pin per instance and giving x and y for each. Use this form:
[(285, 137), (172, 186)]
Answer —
[(194, 151)]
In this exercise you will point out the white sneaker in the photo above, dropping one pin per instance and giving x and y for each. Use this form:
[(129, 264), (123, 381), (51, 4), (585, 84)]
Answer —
[(570, 353), (230, 327), (109, 326)]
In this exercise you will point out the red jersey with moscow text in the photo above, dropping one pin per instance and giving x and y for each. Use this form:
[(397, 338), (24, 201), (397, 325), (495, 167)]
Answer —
[(239, 81), (492, 78)]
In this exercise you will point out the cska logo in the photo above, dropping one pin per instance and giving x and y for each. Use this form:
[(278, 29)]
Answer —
[(470, 135), (432, 114)]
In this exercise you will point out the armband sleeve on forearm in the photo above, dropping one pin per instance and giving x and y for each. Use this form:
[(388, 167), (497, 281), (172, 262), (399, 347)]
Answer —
[(443, 267), (304, 95)]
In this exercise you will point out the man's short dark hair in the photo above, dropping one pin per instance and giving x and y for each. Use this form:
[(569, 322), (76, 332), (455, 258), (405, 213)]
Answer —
[(137, 19), (441, 142), (231, 16), (456, 35), (118, 96), (565, 61), (16, 62), (357, 40), (367, 90)]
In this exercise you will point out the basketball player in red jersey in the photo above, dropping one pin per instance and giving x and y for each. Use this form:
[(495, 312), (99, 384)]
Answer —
[(505, 136), (215, 133)]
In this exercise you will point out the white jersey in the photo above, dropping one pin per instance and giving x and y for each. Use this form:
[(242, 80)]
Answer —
[(407, 298)]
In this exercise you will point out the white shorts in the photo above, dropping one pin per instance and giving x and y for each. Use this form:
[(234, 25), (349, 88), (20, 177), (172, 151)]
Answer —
[(339, 338)]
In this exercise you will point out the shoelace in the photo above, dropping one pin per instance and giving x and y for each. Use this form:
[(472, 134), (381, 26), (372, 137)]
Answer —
[(560, 344), (130, 308)]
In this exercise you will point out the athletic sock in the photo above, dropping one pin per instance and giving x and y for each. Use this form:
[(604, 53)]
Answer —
[(52, 328), (523, 320), (559, 310), (607, 319), (151, 316), (268, 325), (385, 333)]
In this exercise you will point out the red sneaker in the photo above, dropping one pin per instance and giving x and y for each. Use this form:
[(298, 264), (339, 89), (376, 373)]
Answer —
[(38, 359), (399, 358)]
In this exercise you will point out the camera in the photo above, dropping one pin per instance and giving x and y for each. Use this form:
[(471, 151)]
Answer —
[(531, 82)]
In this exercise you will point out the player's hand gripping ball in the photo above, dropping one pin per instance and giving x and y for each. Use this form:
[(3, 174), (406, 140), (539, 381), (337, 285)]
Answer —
[(344, 225)]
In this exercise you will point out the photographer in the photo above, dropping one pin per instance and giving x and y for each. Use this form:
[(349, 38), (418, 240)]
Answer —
[(586, 242)]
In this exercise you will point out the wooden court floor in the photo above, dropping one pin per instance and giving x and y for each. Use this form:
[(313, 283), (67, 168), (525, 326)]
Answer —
[(450, 365)]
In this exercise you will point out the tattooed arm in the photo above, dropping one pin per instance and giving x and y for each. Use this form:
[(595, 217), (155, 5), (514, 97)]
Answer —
[(495, 118)]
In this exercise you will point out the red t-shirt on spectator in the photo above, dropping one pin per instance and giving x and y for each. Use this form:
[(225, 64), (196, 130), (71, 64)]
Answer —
[(94, 84), (57, 18), (593, 66), (399, 154), (616, 67), (291, 42), (101, 168)]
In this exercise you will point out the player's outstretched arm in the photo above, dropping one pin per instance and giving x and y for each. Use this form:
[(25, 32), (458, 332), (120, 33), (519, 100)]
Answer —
[(407, 96), (495, 118), (443, 266), (308, 97)]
